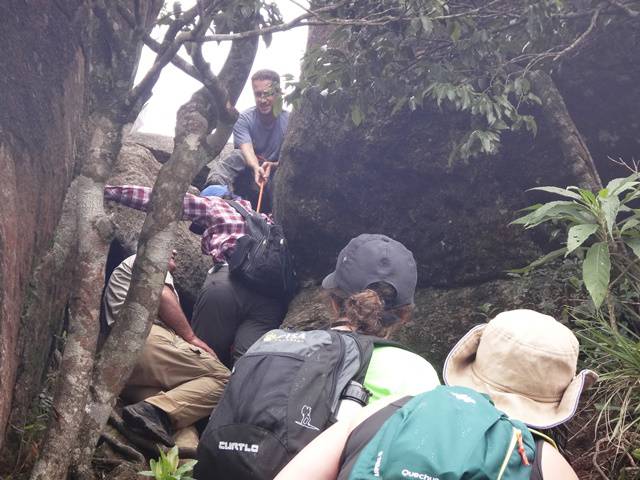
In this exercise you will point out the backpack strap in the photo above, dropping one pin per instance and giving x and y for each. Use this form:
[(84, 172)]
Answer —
[(366, 344), (239, 208)]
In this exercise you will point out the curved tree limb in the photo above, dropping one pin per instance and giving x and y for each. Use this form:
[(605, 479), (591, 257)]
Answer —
[(573, 146), (111, 75), (582, 38), (625, 8), (77, 362), (192, 151)]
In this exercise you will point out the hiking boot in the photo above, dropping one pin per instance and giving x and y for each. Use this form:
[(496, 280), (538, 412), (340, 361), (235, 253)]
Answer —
[(149, 420)]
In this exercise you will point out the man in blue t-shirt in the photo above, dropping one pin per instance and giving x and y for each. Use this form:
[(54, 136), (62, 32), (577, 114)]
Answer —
[(257, 137)]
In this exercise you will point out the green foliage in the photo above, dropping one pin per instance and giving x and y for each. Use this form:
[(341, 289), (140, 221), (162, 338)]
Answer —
[(228, 15), (602, 229), (457, 55), (603, 233), (167, 467), (615, 354)]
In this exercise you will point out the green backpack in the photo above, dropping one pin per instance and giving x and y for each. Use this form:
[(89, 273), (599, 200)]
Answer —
[(448, 433)]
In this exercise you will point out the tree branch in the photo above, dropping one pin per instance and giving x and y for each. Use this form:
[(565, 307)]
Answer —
[(305, 20), (143, 89), (107, 22), (578, 42), (226, 112), (166, 51), (159, 48), (625, 8)]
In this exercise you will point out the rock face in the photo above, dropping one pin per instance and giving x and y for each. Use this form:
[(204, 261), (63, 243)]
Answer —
[(391, 175), (601, 89), (41, 120)]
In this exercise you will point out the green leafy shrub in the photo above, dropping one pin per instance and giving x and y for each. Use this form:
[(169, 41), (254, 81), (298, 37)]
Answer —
[(603, 232), (168, 467), (615, 354)]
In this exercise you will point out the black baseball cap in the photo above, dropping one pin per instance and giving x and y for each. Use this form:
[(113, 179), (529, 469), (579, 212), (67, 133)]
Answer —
[(371, 258)]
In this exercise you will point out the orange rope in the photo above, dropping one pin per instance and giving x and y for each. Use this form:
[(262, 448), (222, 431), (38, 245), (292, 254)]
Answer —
[(260, 196)]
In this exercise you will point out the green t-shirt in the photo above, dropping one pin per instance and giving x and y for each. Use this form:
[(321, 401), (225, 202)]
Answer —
[(395, 371)]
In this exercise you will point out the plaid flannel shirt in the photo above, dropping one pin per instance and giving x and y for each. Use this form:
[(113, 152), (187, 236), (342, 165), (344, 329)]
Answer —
[(223, 224)]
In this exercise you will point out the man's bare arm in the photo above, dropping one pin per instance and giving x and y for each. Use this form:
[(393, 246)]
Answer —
[(171, 314), (253, 163)]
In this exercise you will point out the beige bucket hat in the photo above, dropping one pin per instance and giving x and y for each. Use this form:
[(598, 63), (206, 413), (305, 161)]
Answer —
[(526, 362)]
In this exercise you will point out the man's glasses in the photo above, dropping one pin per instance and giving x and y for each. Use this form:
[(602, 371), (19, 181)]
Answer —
[(265, 94)]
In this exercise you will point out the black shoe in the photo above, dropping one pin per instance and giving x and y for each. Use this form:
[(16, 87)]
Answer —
[(150, 420)]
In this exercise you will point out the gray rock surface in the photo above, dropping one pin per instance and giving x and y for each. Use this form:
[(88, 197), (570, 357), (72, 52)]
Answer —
[(391, 174)]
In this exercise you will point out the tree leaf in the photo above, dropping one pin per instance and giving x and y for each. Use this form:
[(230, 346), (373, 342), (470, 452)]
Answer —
[(558, 191), (427, 24), (455, 31), (596, 272), (587, 196), (610, 206), (540, 261), (266, 38), (578, 234), (186, 467), (485, 141), (172, 458), (398, 106), (634, 245), (619, 185), (555, 211), (630, 223), (356, 115), (277, 106)]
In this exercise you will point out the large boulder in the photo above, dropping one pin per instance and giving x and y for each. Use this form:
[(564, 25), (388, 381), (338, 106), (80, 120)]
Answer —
[(42, 113), (392, 174), (601, 89)]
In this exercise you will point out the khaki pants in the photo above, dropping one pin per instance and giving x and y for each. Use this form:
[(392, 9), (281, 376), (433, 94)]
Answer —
[(176, 377)]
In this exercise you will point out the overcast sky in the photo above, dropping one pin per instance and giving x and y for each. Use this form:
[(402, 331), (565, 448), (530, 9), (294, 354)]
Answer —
[(174, 87)]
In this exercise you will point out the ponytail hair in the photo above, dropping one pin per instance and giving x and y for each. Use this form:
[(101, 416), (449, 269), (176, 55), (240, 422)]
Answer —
[(364, 312), (368, 311)]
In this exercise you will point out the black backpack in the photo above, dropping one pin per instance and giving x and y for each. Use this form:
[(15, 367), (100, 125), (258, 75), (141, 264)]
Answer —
[(282, 394), (261, 258)]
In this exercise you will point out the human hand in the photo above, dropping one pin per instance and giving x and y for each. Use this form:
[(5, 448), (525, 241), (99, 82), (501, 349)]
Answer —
[(268, 167), (196, 342), (259, 176)]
